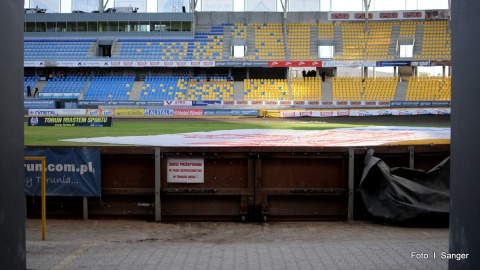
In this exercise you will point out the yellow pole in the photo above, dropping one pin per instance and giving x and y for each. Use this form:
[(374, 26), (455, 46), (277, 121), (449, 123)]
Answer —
[(44, 192)]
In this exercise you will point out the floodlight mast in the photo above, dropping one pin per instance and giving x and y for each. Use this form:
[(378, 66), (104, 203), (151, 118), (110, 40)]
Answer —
[(284, 4), (102, 6), (193, 5), (366, 4)]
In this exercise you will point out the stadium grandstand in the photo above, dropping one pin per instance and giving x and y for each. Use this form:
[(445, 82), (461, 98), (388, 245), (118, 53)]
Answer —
[(285, 53)]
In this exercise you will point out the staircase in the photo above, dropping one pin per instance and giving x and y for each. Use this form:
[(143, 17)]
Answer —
[(136, 90), (327, 94), (392, 49), (227, 43), (417, 47), (92, 50), (337, 35), (250, 42), (87, 85), (40, 85), (401, 92), (238, 90), (313, 41), (116, 47)]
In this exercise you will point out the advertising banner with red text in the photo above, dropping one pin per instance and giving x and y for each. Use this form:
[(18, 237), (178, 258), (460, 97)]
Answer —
[(295, 63), (376, 15)]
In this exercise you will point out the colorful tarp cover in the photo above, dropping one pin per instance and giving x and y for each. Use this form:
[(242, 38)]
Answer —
[(365, 136)]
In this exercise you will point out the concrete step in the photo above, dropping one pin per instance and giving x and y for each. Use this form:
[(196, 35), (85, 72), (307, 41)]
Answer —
[(238, 90), (327, 91), (401, 92), (136, 90)]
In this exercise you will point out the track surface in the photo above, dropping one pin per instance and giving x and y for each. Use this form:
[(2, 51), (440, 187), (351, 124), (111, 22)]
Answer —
[(415, 120)]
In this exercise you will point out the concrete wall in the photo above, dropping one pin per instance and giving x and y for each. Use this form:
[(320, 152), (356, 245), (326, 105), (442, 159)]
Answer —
[(217, 18), (12, 194), (465, 184), (307, 17)]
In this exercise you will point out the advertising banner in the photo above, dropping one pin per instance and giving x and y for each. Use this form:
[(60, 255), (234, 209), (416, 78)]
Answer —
[(402, 104), (135, 63), (356, 103), (257, 102), (393, 63), (33, 63), (189, 170), (129, 112), (349, 63), (187, 112), (100, 112), (262, 102), (253, 64), (226, 112), (149, 103), (39, 104), (71, 112), (312, 113), (178, 103), (71, 64), (425, 63), (286, 102), (161, 63), (206, 102), (69, 172), (441, 63), (360, 112), (399, 112), (242, 102), (87, 103), (241, 64), (376, 15), (295, 63), (121, 103), (158, 112), (59, 95), (42, 112), (437, 14), (271, 102), (410, 104), (70, 121)]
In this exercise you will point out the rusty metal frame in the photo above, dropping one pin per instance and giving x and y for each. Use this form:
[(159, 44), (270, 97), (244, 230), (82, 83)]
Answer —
[(213, 199), (134, 182), (301, 196)]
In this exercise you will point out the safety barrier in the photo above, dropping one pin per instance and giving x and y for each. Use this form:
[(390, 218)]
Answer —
[(235, 183)]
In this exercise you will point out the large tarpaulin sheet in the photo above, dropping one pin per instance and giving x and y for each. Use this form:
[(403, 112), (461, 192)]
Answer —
[(406, 196)]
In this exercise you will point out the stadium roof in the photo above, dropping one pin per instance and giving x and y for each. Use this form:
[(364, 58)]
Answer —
[(67, 6)]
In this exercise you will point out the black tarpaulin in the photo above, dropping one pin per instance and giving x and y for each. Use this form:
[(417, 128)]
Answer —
[(406, 196)]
